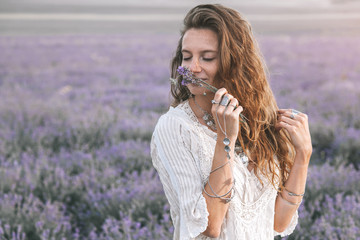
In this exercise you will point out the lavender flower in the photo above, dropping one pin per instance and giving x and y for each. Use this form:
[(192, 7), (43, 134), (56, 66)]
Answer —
[(189, 77)]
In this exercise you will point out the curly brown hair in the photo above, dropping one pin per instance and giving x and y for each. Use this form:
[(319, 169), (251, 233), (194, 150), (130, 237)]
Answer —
[(242, 71)]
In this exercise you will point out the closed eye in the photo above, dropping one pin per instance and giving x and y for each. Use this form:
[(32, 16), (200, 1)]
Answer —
[(205, 59)]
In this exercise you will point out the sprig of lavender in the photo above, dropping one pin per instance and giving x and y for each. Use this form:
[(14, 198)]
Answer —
[(189, 77)]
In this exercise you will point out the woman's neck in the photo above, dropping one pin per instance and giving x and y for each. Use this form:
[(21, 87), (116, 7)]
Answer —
[(199, 102), (203, 111)]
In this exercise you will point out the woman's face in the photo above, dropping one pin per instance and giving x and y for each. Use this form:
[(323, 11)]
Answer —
[(201, 56)]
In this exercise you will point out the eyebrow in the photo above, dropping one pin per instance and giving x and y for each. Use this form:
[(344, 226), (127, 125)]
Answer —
[(204, 51)]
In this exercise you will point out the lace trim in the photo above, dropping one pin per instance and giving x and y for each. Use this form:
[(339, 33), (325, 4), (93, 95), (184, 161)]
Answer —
[(248, 219), (186, 107), (249, 212), (204, 151)]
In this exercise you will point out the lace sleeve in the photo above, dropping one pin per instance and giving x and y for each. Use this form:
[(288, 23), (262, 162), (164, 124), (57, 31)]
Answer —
[(178, 173), (291, 227)]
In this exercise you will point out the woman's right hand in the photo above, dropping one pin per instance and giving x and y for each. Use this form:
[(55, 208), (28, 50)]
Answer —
[(232, 114)]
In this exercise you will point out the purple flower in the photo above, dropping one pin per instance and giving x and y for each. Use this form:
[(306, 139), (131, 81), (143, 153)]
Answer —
[(189, 77)]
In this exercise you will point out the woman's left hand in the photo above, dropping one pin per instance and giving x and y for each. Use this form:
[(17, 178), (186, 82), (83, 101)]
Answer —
[(296, 123)]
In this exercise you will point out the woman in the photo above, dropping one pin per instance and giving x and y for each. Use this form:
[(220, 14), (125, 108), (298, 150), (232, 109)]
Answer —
[(226, 178)]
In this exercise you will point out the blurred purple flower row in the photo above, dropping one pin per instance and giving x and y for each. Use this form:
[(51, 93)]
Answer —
[(76, 119)]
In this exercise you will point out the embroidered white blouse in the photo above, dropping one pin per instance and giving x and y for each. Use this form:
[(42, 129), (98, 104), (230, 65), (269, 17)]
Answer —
[(182, 150)]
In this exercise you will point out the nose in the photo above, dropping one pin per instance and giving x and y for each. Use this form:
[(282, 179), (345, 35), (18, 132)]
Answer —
[(195, 66)]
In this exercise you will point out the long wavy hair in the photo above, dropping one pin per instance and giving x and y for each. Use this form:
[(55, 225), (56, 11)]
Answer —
[(242, 71)]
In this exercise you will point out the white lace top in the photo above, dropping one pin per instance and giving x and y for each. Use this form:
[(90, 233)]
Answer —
[(182, 150)]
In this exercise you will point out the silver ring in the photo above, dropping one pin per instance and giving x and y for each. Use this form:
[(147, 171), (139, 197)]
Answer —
[(224, 101), (292, 116), (214, 102), (295, 112)]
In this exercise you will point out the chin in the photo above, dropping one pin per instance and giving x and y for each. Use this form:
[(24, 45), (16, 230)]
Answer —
[(194, 89)]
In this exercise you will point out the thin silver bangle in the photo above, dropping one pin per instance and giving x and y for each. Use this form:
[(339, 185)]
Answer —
[(294, 194), (233, 185), (215, 195), (291, 203), (227, 200), (219, 167)]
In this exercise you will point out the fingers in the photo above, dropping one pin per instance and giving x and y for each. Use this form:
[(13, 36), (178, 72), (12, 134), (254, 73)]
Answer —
[(231, 107), (219, 103), (296, 124), (225, 104), (291, 119), (287, 119), (219, 94), (291, 112), (281, 124), (226, 112), (238, 110), (222, 106)]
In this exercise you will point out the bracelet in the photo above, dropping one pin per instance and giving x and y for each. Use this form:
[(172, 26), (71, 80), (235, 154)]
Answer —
[(291, 203), (227, 199), (219, 167), (294, 194), (220, 196)]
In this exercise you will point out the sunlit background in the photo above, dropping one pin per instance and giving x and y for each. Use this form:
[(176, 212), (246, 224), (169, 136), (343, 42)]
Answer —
[(82, 84)]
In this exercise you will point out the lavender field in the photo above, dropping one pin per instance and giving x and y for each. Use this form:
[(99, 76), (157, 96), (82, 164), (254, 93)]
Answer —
[(77, 114)]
